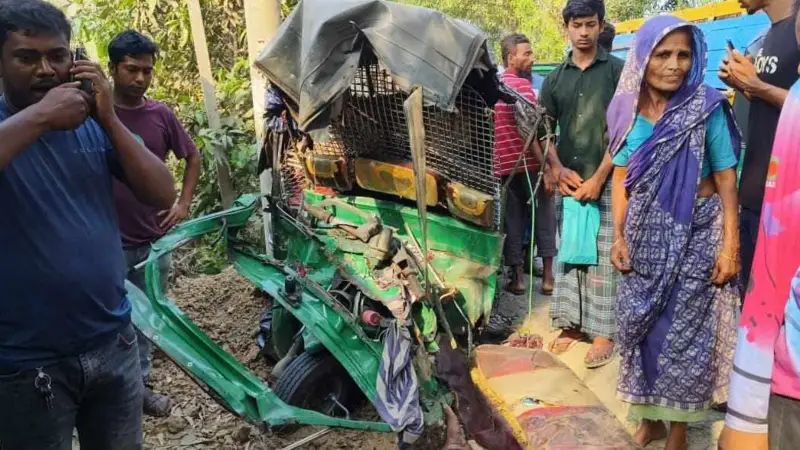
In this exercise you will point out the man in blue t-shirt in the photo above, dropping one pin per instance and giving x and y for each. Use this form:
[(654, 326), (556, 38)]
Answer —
[(68, 352)]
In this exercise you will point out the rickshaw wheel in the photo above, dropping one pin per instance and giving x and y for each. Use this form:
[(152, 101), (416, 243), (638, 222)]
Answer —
[(317, 381)]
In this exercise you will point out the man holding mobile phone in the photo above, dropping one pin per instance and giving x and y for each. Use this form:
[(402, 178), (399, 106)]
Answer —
[(764, 79), (68, 351)]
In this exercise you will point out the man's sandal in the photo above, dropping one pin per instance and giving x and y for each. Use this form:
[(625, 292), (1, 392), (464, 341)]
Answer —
[(561, 345)]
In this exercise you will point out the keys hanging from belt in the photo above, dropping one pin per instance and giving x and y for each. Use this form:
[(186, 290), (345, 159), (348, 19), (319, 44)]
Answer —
[(43, 385)]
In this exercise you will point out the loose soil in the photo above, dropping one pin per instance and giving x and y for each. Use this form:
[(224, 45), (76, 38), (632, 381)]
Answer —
[(227, 308)]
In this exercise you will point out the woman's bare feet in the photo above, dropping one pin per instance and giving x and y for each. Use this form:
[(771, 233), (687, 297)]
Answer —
[(649, 431), (676, 440)]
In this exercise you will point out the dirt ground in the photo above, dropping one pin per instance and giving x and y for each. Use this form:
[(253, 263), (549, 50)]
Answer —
[(226, 308)]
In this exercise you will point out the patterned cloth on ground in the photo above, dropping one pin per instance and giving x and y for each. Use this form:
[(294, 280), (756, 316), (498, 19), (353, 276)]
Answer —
[(397, 398), (676, 329), (586, 296)]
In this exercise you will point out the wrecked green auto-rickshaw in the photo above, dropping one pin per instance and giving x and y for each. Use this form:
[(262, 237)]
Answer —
[(382, 224), (388, 220)]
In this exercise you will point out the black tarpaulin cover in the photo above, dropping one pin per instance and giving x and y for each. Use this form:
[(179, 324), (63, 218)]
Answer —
[(316, 52)]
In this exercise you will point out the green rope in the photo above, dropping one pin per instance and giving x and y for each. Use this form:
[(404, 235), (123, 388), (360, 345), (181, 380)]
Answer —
[(531, 257)]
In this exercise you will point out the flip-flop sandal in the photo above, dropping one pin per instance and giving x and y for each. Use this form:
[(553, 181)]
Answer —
[(548, 291), (561, 341), (608, 354)]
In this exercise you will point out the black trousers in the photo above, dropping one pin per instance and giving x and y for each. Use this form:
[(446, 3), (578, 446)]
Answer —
[(517, 220), (784, 423), (748, 235)]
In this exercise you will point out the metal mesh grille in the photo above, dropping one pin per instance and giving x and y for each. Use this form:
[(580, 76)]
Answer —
[(293, 180), (459, 145)]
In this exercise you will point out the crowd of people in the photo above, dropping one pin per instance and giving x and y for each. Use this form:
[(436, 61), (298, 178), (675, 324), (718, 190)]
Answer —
[(661, 242), (658, 236)]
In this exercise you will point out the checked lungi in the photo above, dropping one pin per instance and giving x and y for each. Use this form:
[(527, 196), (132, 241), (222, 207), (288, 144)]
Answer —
[(585, 297)]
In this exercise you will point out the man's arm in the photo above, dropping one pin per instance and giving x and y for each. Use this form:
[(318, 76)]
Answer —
[(548, 102), (148, 177), (183, 148), (18, 132), (552, 153), (739, 72), (63, 108), (567, 179), (769, 93), (191, 177)]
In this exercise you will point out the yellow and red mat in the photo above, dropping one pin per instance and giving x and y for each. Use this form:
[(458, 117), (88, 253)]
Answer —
[(546, 405)]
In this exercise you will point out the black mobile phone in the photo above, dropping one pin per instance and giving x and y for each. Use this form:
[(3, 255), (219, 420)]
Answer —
[(80, 55), (731, 47)]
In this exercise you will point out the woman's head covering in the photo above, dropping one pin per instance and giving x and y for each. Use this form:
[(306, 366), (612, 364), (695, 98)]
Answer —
[(623, 108)]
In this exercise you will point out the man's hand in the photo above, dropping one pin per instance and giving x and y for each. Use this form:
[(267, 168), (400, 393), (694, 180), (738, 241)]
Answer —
[(731, 439), (65, 107), (724, 74), (568, 181), (103, 100), (550, 182), (174, 216), (589, 191), (739, 72)]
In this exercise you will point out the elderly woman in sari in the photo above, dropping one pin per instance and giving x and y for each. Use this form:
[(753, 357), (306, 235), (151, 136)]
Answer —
[(675, 149)]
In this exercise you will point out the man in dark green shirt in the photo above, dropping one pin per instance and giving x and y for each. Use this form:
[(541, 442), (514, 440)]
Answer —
[(576, 96)]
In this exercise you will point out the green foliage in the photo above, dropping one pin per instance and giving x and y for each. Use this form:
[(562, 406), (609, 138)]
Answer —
[(287, 6), (177, 81), (541, 20)]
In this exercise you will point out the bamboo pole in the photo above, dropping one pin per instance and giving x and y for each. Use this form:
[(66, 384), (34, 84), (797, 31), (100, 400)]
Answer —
[(210, 98), (262, 19)]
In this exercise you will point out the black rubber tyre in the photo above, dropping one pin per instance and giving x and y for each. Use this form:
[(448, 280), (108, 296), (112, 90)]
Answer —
[(311, 378)]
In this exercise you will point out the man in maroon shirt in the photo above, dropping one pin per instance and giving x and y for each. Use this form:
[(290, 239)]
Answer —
[(132, 56)]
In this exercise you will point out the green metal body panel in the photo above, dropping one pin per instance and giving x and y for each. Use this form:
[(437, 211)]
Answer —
[(466, 258), (173, 332), (284, 329)]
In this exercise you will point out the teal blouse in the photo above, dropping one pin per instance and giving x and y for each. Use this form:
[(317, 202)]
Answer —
[(719, 154)]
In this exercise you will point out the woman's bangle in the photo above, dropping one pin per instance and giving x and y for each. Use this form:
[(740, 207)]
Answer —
[(735, 259)]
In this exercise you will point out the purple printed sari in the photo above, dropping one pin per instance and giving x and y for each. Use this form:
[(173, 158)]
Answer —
[(676, 329)]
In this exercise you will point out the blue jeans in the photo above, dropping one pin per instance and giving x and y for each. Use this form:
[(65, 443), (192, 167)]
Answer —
[(98, 392), (134, 256)]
